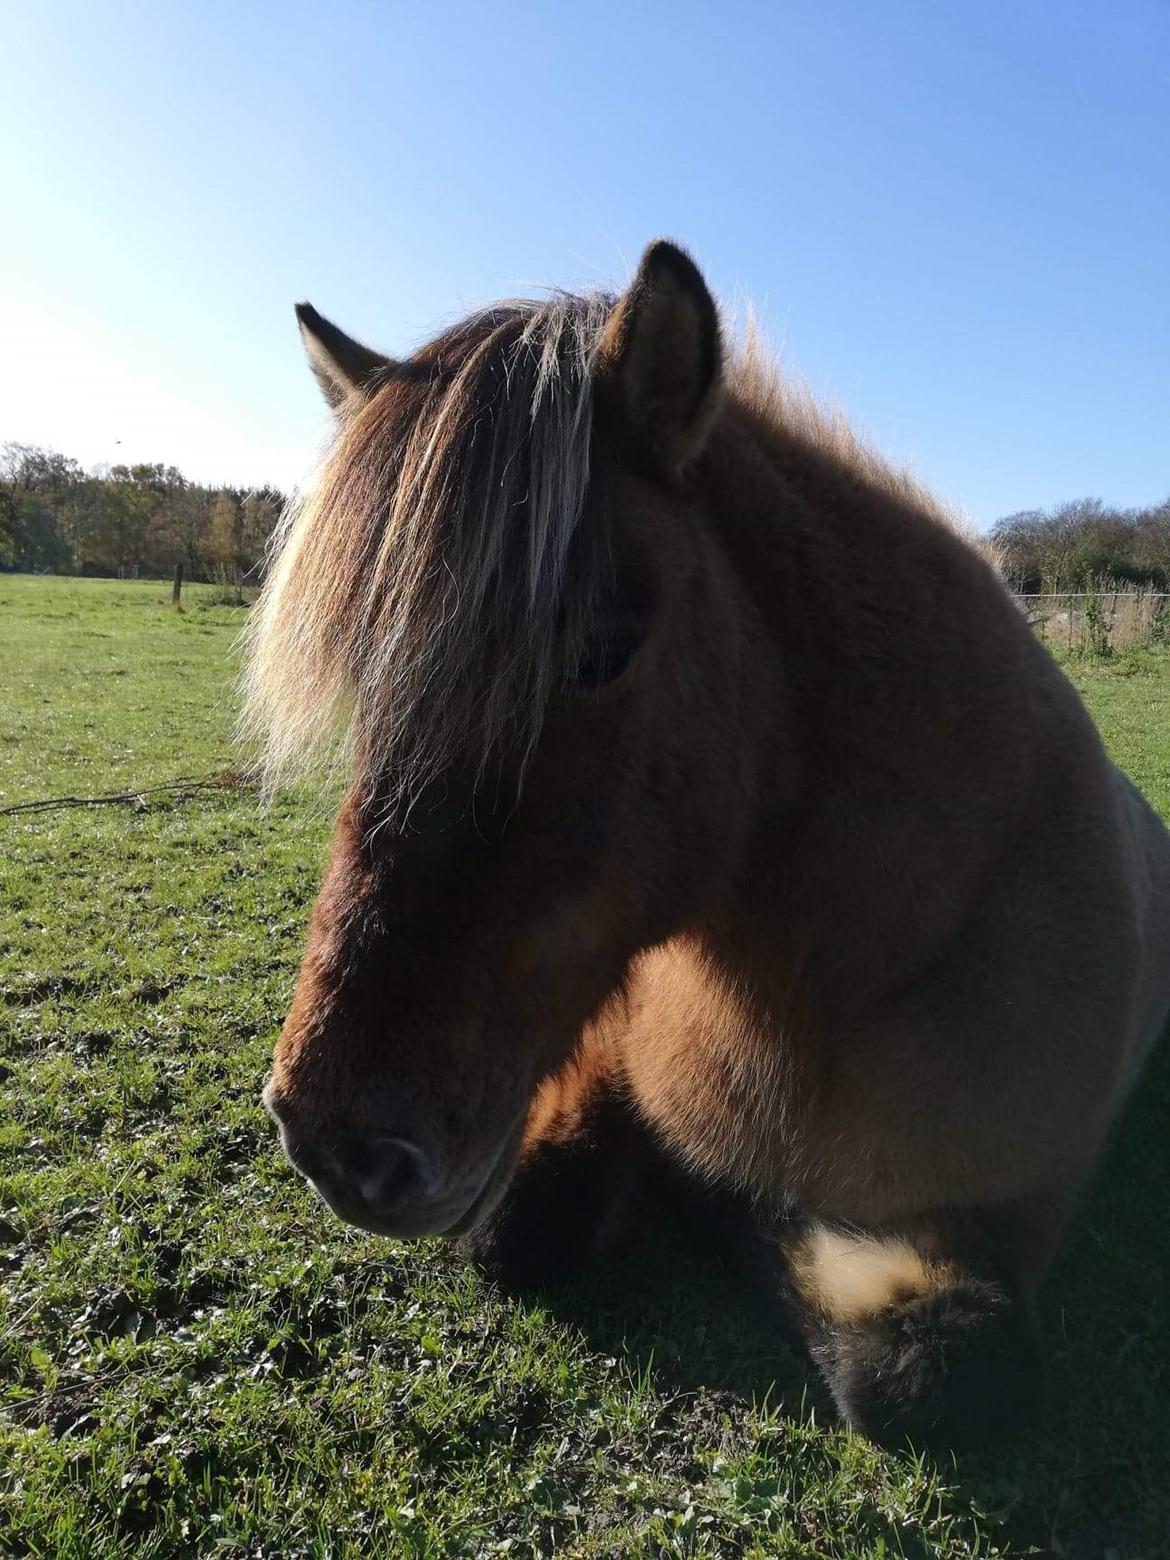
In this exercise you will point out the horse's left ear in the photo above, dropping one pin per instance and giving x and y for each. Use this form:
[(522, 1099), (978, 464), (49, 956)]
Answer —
[(346, 371), (660, 362)]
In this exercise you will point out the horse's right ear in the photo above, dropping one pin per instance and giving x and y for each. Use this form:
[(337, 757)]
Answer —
[(342, 366), (660, 362)]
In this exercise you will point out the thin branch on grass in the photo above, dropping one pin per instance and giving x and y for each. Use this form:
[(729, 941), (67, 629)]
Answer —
[(228, 780), (42, 1400)]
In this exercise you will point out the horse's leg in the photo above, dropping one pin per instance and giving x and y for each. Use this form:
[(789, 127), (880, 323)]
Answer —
[(584, 1169), (924, 1330)]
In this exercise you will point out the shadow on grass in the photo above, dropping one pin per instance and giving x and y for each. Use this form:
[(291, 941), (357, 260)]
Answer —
[(1091, 1480)]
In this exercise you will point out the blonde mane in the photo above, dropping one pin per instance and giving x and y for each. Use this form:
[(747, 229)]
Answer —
[(439, 542)]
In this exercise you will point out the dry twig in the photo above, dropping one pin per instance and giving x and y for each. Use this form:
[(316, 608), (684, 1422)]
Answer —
[(229, 779)]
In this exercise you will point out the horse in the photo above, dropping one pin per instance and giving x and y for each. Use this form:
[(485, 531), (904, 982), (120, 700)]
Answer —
[(710, 804)]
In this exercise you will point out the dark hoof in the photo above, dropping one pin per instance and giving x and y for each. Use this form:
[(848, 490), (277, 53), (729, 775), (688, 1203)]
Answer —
[(951, 1371)]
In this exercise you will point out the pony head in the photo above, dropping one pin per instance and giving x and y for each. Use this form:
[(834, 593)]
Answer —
[(507, 597)]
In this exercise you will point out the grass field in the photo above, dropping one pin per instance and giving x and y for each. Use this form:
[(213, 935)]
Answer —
[(195, 1358)]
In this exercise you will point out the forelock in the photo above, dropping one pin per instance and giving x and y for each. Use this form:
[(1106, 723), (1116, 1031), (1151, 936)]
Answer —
[(421, 601)]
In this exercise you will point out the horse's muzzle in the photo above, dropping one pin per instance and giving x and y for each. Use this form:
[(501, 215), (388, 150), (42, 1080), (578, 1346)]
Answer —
[(388, 1178), (388, 1181)]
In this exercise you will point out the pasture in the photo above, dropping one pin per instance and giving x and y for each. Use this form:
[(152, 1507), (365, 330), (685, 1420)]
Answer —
[(195, 1358)]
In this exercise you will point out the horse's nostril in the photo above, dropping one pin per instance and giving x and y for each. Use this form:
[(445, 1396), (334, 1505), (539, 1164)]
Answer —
[(391, 1173), (377, 1173)]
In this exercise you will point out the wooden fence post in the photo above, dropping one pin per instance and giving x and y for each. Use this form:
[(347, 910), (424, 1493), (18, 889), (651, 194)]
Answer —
[(177, 587)]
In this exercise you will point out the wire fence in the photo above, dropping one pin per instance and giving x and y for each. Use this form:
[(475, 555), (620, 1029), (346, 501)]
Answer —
[(1099, 620)]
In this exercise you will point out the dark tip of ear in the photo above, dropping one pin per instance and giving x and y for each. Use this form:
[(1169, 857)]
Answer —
[(341, 365), (663, 255)]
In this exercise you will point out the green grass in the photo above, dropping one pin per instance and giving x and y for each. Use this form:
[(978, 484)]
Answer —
[(195, 1358)]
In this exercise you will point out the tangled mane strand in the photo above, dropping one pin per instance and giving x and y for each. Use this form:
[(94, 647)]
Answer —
[(422, 600)]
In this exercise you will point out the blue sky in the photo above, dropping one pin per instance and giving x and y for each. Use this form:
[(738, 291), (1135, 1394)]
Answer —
[(954, 218)]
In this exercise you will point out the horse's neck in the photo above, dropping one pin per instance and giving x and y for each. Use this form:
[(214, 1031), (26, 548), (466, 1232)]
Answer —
[(891, 645), (838, 559)]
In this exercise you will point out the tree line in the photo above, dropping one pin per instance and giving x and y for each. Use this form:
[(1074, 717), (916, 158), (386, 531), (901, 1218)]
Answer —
[(1083, 544), (56, 518)]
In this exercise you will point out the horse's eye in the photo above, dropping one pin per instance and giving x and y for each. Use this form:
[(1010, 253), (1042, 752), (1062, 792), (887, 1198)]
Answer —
[(604, 659)]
